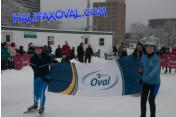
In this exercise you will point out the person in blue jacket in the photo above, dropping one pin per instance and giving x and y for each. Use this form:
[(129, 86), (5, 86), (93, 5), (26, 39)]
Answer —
[(150, 70), (40, 64)]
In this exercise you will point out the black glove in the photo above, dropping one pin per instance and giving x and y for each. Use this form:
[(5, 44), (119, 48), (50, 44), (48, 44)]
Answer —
[(140, 81), (44, 79)]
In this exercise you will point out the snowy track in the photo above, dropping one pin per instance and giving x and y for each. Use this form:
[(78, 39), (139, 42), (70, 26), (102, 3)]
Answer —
[(17, 89)]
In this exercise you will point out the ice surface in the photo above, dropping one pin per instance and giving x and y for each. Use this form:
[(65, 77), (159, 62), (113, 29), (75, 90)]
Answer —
[(17, 93)]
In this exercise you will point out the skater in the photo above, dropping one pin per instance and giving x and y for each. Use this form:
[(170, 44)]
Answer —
[(150, 70), (89, 54), (65, 58), (40, 64)]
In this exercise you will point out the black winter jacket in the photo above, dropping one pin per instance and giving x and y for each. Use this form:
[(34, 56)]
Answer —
[(40, 64), (80, 51), (89, 52)]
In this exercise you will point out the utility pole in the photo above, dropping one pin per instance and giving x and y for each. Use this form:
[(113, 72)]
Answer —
[(88, 18)]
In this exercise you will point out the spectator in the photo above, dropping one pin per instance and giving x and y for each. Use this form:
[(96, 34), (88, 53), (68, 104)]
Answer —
[(122, 51), (98, 53), (167, 52), (163, 50), (158, 53), (139, 51), (174, 51), (58, 52), (114, 50), (21, 50), (45, 49), (12, 51), (30, 48), (65, 58), (73, 53), (89, 53), (49, 49), (4, 56), (80, 52), (67, 48)]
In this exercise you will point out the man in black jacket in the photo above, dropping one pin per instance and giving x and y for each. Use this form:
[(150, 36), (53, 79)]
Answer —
[(80, 52), (89, 53), (58, 52), (40, 64)]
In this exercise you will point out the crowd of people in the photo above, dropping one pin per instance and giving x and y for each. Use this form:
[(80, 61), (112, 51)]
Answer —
[(167, 51), (71, 54), (8, 51)]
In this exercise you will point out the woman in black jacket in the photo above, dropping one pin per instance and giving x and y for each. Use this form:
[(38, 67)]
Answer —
[(139, 51), (89, 53)]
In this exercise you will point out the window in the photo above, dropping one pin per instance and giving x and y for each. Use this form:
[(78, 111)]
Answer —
[(101, 41), (50, 40), (7, 38)]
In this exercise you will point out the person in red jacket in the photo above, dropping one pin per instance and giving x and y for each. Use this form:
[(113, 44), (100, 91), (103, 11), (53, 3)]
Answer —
[(66, 48), (174, 51)]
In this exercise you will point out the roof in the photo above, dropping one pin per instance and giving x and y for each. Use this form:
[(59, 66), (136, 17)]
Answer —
[(54, 30)]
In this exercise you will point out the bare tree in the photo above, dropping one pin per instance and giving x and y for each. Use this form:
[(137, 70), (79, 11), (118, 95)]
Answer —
[(167, 34), (10, 6)]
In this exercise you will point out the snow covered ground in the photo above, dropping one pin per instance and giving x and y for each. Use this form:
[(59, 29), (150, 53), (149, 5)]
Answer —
[(17, 92)]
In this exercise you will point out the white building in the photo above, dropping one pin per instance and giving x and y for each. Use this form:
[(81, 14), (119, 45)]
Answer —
[(23, 36)]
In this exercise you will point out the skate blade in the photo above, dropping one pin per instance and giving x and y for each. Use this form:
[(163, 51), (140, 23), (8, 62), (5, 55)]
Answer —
[(35, 110)]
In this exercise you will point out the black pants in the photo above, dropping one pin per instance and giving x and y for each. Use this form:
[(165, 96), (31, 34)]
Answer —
[(80, 58), (167, 70), (5, 64), (151, 91), (11, 63), (89, 59)]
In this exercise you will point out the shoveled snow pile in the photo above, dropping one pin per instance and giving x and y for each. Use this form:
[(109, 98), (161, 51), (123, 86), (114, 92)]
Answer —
[(93, 60), (17, 95)]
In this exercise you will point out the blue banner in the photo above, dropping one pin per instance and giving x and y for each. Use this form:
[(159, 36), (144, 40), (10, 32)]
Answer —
[(118, 77)]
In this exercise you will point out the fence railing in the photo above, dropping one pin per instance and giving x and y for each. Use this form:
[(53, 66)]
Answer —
[(168, 61), (19, 61), (15, 62)]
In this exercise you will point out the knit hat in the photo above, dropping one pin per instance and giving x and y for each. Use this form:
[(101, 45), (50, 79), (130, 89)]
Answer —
[(30, 44), (12, 45)]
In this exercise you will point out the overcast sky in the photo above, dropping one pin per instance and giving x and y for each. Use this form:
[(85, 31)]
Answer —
[(136, 10)]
